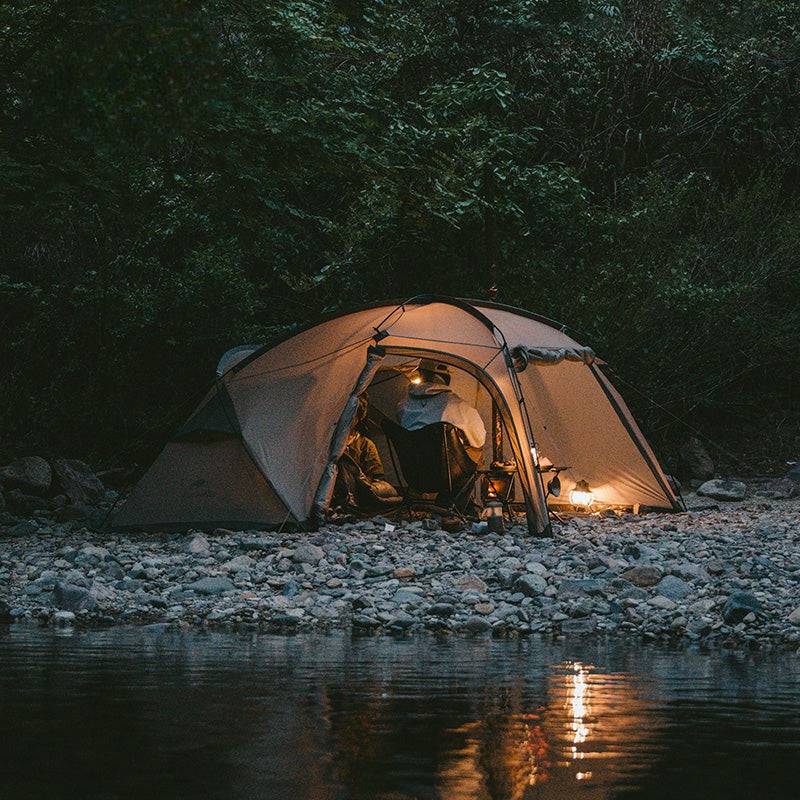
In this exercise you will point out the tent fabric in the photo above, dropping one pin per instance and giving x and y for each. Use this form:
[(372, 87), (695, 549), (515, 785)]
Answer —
[(203, 483), (290, 401)]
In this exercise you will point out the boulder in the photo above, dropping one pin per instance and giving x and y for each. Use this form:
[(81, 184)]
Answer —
[(738, 606), (69, 597), (308, 554), (31, 474), (673, 587), (530, 584), (211, 585), (722, 489), (642, 576), (77, 481), (694, 460), (794, 617)]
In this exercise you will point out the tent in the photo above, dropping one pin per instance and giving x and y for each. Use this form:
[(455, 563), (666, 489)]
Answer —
[(261, 448)]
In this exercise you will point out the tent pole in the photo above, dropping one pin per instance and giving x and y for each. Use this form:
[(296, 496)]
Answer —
[(497, 434), (322, 498)]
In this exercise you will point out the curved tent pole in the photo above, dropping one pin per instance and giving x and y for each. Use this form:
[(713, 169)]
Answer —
[(322, 498)]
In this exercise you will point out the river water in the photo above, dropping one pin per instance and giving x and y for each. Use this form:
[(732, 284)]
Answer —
[(148, 713)]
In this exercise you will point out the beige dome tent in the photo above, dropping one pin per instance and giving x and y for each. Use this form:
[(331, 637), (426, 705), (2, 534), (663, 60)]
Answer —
[(262, 447)]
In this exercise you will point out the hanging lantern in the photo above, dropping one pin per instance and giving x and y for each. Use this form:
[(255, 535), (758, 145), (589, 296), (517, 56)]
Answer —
[(494, 516), (581, 496)]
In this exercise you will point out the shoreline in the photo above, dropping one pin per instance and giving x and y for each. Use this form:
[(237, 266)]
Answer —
[(724, 577)]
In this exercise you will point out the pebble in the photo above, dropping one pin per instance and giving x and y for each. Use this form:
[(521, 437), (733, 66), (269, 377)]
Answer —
[(698, 577)]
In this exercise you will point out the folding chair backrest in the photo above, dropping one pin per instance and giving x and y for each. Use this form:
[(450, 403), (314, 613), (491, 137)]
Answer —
[(433, 458)]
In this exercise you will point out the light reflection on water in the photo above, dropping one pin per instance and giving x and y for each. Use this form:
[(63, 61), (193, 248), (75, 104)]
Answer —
[(132, 713)]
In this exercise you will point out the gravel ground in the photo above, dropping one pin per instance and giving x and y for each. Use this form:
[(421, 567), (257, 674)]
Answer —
[(724, 576)]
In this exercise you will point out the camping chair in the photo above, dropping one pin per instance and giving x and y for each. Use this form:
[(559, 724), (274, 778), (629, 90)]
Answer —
[(433, 460)]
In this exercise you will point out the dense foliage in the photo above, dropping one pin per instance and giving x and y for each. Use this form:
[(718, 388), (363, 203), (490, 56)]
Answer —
[(178, 177)]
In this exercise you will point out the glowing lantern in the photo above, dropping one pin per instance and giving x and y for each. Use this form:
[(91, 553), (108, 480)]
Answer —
[(581, 496), (494, 516)]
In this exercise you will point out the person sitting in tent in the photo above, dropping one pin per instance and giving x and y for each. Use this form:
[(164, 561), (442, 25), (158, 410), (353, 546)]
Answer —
[(433, 401), (360, 448), (360, 479)]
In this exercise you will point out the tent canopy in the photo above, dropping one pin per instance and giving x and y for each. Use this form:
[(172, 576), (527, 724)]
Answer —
[(264, 442)]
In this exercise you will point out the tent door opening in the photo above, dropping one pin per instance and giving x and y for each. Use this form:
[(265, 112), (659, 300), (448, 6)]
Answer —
[(376, 382)]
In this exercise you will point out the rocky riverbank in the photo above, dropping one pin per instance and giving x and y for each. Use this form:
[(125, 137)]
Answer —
[(726, 575)]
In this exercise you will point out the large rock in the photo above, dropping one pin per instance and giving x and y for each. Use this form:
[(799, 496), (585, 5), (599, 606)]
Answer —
[(530, 584), (31, 474), (673, 587), (738, 606), (694, 460), (644, 575), (794, 617), (308, 554), (211, 585), (77, 481), (69, 597), (722, 489)]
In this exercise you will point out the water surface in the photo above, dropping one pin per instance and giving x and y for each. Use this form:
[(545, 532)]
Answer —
[(132, 713)]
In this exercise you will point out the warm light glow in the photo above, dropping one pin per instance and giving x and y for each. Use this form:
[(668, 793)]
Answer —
[(581, 495), (535, 455), (416, 380), (494, 508)]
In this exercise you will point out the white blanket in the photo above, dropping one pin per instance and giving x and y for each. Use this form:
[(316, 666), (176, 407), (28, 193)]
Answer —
[(428, 403)]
